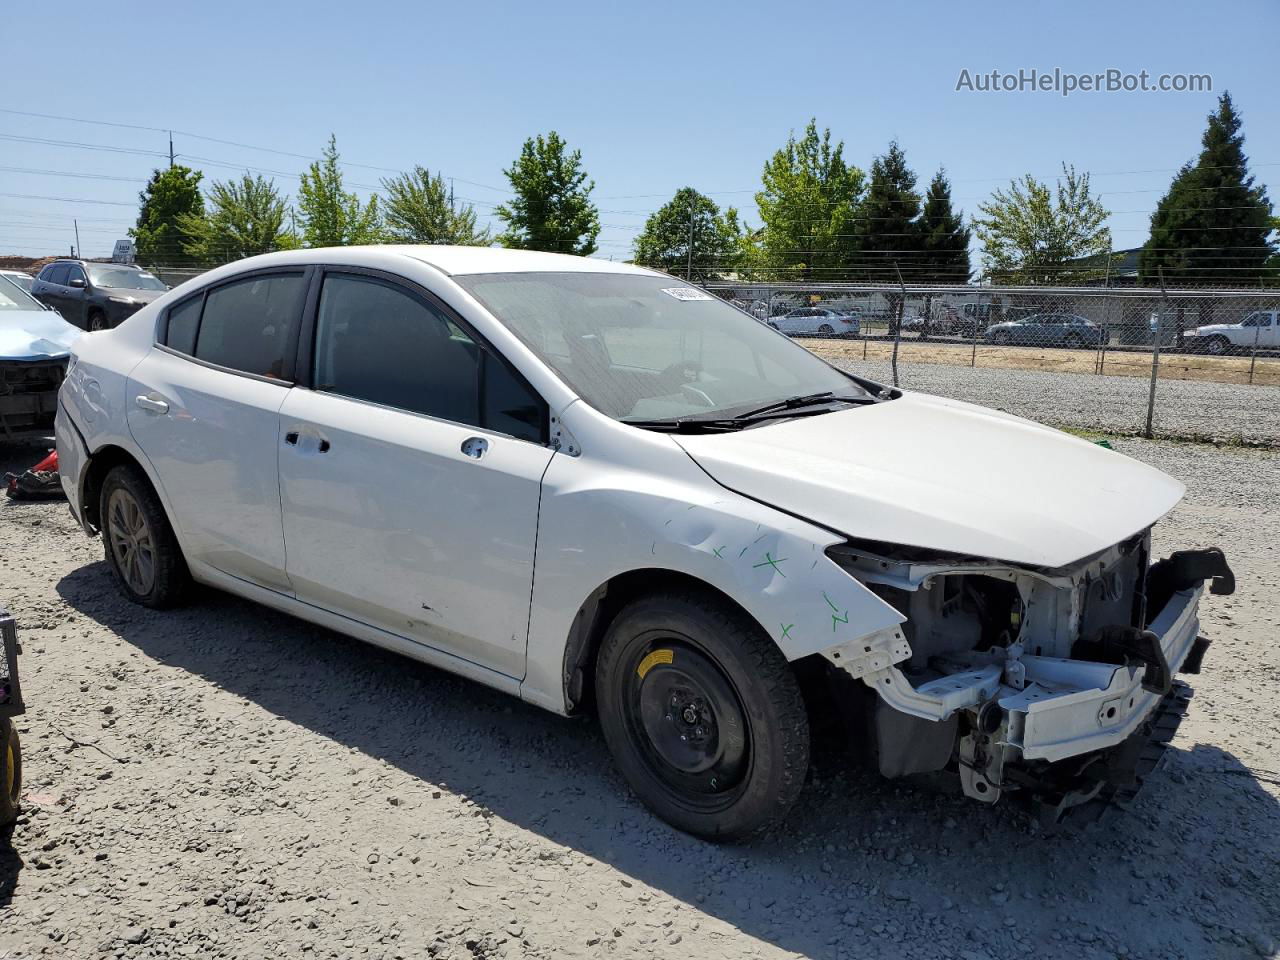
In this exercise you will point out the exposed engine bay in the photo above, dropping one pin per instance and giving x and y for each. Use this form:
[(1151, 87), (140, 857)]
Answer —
[(1050, 683)]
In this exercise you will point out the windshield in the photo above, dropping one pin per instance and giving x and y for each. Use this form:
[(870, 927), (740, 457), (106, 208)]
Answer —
[(23, 280), (122, 278), (13, 297), (649, 348)]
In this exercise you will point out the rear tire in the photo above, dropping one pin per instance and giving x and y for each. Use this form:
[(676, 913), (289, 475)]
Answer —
[(140, 545), (703, 715), (11, 785)]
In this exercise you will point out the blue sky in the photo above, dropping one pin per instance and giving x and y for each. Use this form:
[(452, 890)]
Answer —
[(657, 96)]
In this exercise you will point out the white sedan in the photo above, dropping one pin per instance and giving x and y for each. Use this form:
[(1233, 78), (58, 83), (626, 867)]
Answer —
[(591, 485), (817, 322)]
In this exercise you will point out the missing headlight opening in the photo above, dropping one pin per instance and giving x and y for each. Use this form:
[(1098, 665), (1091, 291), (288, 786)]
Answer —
[(1054, 685)]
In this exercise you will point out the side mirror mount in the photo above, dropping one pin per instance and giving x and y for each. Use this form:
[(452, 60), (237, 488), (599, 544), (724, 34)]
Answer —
[(76, 282)]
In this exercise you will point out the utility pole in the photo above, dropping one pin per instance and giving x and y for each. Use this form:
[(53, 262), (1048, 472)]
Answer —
[(688, 270), (451, 194), (77, 226), (170, 149)]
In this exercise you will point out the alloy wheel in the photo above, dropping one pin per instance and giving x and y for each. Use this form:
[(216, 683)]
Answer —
[(132, 542)]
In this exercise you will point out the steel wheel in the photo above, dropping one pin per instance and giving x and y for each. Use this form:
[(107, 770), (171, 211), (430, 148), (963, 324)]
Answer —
[(690, 723), (1216, 346), (132, 541)]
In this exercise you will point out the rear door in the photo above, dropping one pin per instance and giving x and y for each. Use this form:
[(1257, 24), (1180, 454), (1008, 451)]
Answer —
[(204, 406), (49, 287), (75, 297), (410, 473)]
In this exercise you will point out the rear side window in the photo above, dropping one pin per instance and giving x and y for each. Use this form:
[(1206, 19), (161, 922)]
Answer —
[(378, 342), (248, 324), (183, 320), (57, 273)]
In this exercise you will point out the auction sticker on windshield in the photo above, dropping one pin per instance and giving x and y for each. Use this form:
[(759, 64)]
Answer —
[(687, 293)]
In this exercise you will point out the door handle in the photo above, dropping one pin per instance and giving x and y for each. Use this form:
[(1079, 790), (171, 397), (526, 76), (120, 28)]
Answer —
[(151, 404), (475, 447)]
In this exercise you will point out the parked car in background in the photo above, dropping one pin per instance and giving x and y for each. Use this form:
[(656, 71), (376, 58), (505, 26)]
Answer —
[(96, 296), (23, 280), (34, 345), (817, 321), (1259, 329), (1049, 330), (940, 326), (389, 441)]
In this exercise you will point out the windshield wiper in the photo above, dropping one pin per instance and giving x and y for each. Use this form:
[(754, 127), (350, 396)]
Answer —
[(795, 403), (720, 424)]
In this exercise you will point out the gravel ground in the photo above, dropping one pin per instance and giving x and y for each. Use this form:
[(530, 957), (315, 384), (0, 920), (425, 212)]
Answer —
[(223, 781), (1185, 409)]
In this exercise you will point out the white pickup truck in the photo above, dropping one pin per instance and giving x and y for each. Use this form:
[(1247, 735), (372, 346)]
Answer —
[(1260, 329)]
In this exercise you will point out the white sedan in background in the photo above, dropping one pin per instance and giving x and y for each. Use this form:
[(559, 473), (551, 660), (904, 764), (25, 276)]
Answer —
[(817, 322), (593, 486)]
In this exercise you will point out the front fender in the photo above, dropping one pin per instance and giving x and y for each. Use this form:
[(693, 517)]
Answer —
[(598, 521)]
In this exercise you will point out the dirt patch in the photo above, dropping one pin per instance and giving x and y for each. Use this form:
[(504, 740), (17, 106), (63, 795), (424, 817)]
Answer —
[(1173, 366)]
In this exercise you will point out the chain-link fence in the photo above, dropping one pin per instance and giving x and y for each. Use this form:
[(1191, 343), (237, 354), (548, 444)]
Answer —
[(1202, 364)]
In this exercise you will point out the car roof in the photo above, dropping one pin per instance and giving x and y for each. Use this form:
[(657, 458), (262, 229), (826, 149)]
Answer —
[(464, 260)]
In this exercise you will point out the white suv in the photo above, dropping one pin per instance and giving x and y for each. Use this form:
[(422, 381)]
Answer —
[(589, 484)]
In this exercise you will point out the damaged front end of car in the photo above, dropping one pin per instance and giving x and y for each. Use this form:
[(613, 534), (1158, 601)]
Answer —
[(1054, 685)]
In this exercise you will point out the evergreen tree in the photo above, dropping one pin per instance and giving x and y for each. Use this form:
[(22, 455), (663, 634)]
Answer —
[(246, 217), (1214, 224), (945, 237), (169, 196), (690, 231), (330, 216), (420, 210), (552, 208), (890, 236), (808, 203)]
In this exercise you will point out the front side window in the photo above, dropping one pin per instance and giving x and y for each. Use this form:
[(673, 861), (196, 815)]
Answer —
[(646, 347), (247, 324), (378, 342)]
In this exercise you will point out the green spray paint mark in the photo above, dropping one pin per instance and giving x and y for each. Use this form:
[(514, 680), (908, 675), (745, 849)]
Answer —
[(836, 615), (718, 551), (786, 630), (770, 561)]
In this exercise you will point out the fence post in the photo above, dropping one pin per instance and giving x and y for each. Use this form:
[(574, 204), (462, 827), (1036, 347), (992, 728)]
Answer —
[(896, 320), (1155, 355), (977, 319)]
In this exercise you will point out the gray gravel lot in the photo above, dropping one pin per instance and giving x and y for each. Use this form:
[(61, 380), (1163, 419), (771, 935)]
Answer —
[(1185, 409), (224, 781)]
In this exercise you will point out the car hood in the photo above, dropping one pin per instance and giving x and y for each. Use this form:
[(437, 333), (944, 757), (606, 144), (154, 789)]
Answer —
[(138, 296), (1216, 328), (35, 335), (944, 475)]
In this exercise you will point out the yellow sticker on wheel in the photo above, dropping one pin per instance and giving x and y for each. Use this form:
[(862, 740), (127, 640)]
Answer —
[(652, 660)]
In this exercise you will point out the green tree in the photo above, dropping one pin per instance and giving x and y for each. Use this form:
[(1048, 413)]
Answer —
[(808, 203), (332, 217), (246, 217), (169, 196), (689, 230), (552, 208), (946, 239), (1214, 223), (889, 233), (1029, 235), (419, 210)]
